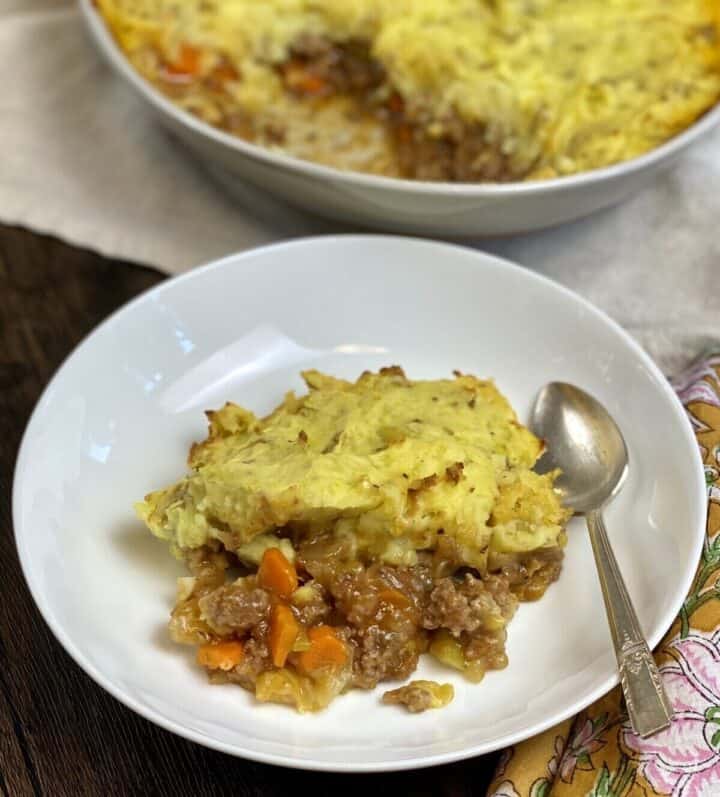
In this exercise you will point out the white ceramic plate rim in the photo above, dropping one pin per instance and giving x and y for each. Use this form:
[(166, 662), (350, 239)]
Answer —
[(319, 764), (118, 60)]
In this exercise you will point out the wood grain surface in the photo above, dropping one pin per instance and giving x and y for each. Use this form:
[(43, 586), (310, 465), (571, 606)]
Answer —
[(60, 734)]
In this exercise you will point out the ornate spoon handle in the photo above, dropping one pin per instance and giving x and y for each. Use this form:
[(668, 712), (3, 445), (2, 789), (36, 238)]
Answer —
[(647, 704)]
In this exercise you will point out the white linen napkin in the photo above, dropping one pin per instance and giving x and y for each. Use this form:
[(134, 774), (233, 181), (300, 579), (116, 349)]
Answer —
[(83, 160)]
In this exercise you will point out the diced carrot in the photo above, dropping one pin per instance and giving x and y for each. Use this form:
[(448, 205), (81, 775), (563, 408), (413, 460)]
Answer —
[(299, 79), (312, 84), (326, 650), (277, 574), (394, 597), (188, 61), (221, 655), (284, 630)]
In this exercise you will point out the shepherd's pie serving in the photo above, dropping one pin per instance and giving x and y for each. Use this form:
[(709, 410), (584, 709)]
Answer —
[(355, 527)]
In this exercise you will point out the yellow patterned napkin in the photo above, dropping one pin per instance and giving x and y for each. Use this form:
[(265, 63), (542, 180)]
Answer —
[(597, 754)]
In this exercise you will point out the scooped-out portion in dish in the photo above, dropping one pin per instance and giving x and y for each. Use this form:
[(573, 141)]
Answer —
[(353, 529), (450, 90)]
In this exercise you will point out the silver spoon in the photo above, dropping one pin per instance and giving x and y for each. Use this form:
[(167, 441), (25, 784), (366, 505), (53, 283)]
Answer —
[(586, 444)]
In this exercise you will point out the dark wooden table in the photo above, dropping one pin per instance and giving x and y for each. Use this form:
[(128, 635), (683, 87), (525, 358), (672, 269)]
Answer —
[(60, 733)]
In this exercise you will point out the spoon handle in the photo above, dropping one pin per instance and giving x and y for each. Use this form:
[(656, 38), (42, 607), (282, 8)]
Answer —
[(647, 703)]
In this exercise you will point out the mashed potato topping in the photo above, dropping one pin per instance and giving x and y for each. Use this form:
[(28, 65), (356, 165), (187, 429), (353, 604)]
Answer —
[(486, 89), (392, 464)]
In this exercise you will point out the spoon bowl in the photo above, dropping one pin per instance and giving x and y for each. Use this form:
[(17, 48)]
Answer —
[(583, 441)]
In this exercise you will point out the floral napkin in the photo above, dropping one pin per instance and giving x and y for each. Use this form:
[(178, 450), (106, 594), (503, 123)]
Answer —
[(597, 754)]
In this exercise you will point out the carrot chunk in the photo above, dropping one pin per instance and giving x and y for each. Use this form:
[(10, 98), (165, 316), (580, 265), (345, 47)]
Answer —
[(277, 574), (312, 84), (300, 79), (221, 655), (188, 61), (326, 650), (284, 630)]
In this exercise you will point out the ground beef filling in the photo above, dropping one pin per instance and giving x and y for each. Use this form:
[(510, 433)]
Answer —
[(425, 150), (461, 153), (341, 87), (470, 605), (235, 608), (319, 68), (383, 616)]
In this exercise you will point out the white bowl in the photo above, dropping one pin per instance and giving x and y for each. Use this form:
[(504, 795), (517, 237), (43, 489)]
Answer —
[(118, 418), (393, 204)]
